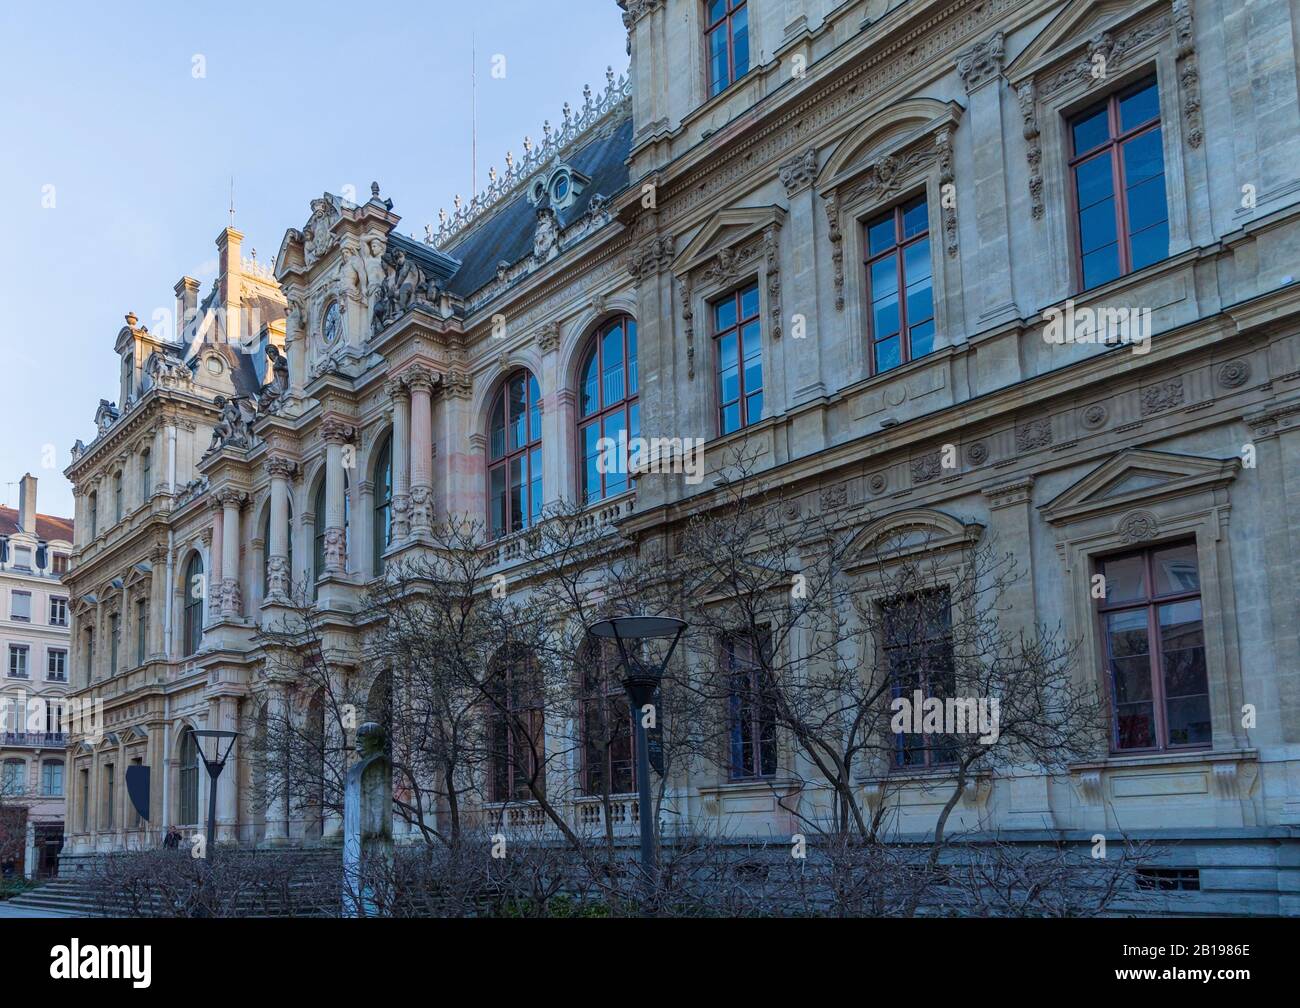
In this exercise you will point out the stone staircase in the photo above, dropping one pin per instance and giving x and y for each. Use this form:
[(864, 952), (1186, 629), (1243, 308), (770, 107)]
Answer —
[(70, 896)]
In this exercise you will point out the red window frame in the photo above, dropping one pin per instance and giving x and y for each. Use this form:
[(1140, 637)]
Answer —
[(741, 658), (927, 631), (600, 688), (732, 8), (898, 251), (524, 452), (1151, 602), (517, 720), (631, 398), (1113, 149), (742, 320)]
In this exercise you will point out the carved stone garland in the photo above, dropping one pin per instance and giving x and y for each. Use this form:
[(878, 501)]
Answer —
[(882, 179), (1112, 49)]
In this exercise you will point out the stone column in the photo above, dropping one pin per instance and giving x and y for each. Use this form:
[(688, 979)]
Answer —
[(277, 808), (401, 396), (232, 603), (980, 68), (157, 599), (336, 433), (278, 576), (224, 714), (421, 381), (216, 554)]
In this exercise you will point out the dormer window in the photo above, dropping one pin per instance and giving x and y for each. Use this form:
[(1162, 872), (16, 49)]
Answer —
[(559, 189)]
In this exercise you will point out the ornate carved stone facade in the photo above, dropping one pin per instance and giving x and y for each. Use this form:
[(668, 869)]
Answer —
[(1066, 453)]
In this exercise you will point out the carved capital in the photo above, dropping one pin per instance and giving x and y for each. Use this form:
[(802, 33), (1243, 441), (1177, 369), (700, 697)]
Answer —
[(421, 379), (548, 339), (281, 467), (799, 172), (229, 497), (336, 430), (982, 62), (396, 388)]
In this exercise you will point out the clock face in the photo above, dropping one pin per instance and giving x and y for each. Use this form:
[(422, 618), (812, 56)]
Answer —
[(333, 324)]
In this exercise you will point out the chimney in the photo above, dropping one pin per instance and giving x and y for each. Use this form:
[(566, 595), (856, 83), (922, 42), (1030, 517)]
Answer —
[(27, 504), (187, 303)]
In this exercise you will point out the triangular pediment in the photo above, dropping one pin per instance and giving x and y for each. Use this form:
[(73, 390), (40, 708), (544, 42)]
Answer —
[(725, 230), (1077, 22), (1138, 476)]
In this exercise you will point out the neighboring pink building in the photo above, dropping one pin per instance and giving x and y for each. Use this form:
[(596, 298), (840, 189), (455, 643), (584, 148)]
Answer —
[(34, 646)]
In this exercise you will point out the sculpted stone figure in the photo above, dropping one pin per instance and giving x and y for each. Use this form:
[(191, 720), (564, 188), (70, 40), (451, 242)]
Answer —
[(352, 271), (223, 431), (279, 383)]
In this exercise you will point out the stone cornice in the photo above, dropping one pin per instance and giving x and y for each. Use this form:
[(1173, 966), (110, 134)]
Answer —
[(910, 39)]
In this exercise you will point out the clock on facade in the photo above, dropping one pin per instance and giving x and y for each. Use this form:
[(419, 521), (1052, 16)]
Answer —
[(333, 324)]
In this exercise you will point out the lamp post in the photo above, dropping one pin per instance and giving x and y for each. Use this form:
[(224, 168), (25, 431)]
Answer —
[(641, 680), (221, 743)]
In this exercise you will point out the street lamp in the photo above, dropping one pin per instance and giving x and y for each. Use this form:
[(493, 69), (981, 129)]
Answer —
[(220, 743), (641, 680)]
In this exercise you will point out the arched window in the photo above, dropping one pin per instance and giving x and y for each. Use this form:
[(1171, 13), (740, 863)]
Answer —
[(266, 545), (195, 591), (146, 474), (515, 455), (608, 411), (383, 516), (189, 779), (516, 729), (318, 508)]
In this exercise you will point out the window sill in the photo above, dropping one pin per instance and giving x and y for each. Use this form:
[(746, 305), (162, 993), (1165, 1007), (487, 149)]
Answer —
[(1154, 757)]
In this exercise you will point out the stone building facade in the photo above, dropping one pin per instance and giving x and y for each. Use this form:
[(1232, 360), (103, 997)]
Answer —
[(1022, 265), (35, 550)]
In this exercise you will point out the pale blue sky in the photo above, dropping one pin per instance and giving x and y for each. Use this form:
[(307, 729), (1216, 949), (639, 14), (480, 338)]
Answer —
[(99, 101)]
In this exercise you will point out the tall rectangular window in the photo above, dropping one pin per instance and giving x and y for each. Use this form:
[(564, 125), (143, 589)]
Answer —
[(114, 639), (18, 668), (14, 782), (90, 654), (918, 650), (1155, 649), (108, 820), (20, 606), (726, 39), (516, 731), (141, 630), (738, 345), (58, 612), (1117, 163), (900, 285), (751, 709), (85, 800), (56, 668), (52, 779), (609, 742)]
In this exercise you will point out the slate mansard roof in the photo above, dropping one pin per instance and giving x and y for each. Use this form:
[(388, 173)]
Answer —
[(506, 234)]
